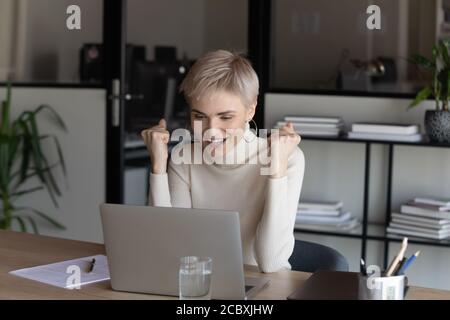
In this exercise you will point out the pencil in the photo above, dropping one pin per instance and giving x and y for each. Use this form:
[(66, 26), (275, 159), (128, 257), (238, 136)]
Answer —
[(398, 258)]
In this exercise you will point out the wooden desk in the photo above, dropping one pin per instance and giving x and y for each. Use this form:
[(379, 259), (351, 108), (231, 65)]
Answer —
[(22, 250)]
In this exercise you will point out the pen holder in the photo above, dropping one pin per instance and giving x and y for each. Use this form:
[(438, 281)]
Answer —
[(382, 288)]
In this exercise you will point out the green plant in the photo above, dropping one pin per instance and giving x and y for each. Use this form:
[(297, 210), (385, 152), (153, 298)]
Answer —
[(440, 67), (22, 161)]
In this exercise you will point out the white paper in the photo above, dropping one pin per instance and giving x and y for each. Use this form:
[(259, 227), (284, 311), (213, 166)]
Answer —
[(68, 274)]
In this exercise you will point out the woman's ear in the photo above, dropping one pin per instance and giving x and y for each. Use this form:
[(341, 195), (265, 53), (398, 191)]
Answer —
[(251, 111)]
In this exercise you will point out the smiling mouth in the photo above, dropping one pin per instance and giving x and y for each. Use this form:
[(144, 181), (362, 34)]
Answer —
[(216, 141)]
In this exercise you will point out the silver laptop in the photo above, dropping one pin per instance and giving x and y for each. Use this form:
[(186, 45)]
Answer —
[(144, 245)]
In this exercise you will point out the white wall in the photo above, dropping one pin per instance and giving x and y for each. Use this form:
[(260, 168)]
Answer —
[(334, 170), (83, 146)]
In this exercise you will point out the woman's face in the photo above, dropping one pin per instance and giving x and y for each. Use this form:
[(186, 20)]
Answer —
[(221, 116)]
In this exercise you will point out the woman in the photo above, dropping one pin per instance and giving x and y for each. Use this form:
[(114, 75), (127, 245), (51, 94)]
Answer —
[(221, 89)]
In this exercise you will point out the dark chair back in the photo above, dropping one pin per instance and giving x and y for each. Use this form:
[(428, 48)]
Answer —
[(311, 257)]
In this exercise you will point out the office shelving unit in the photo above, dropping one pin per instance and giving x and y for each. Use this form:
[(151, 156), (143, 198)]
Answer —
[(368, 231)]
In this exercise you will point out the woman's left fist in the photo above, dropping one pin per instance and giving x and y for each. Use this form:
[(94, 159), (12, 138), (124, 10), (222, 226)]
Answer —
[(282, 144)]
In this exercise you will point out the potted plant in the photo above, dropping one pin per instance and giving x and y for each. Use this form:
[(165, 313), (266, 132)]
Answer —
[(24, 167), (437, 122)]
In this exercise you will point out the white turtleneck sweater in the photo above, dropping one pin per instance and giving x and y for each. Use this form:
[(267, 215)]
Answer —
[(267, 206)]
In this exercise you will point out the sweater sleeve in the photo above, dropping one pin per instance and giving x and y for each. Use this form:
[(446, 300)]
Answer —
[(171, 189), (274, 240)]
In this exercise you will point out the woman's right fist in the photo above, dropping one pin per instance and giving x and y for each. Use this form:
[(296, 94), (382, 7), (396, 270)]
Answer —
[(156, 139)]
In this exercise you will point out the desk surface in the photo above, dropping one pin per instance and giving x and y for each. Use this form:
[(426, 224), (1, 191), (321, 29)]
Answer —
[(22, 250)]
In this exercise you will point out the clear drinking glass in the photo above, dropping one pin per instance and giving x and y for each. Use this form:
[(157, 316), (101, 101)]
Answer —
[(195, 278)]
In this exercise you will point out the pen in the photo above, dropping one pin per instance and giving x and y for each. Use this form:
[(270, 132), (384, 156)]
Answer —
[(408, 263), (91, 265), (399, 266), (363, 268), (398, 258)]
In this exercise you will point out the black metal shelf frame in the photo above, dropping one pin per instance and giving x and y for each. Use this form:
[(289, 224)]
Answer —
[(365, 235)]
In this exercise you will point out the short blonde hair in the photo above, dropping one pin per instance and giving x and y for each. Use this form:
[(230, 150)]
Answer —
[(221, 70)]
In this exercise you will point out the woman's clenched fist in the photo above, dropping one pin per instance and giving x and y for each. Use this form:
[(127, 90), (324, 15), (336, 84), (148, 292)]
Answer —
[(156, 139)]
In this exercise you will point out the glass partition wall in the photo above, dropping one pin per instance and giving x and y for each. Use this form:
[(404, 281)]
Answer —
[(320, 46), (37, 47), (164, 38)]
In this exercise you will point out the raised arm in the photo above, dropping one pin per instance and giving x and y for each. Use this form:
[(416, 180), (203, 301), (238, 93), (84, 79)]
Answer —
[(171, 189), (169, 185), (275, 240)]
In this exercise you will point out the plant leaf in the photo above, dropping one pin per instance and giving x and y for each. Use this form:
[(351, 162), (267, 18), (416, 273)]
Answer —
[(421, 96), (6, 108), (22, 192), (52, 185), (22, 225), (51, 178), (34, 173), (32, 138), (41, 161), (4, 153), (443, 80), (15, 142), (422, 61), (26, 151), (444, 53), (60, 156), (59, 150), (33, 225), (55, 115), (435, 52), (43, 216)]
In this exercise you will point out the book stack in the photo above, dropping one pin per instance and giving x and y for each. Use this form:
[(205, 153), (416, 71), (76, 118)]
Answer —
[(324, 216), (385, 132), (314, 126), (422, 217)]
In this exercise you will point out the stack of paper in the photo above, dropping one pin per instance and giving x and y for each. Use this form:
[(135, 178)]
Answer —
[(68, 274), (314, 126), (385, 131), (317, 215), (422, 217)]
